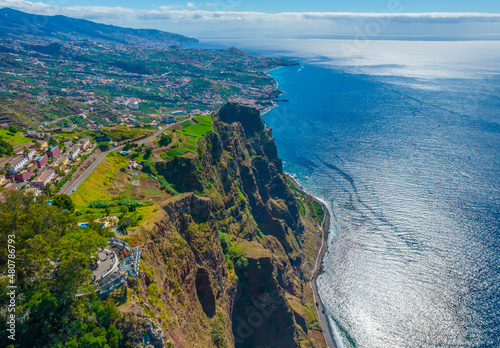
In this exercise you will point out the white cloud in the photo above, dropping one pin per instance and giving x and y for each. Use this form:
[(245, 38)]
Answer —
[(169, 12), (192, 20)]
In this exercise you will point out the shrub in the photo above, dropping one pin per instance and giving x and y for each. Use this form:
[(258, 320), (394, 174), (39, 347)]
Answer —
[(166, 185)]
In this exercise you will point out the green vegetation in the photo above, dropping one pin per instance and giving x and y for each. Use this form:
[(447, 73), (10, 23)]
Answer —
[(63, 202), (166, 186), (189, 137), (307, 205), (53, 315), (96, 186), (200, 129), (116, 203), (165, 140), (232, 251), (121, 133), (14, 138), (186, 147), (6, 149)]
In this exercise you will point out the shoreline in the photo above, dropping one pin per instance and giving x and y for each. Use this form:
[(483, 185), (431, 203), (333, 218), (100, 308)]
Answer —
[(276, 85), (318, 268), (269, 108)]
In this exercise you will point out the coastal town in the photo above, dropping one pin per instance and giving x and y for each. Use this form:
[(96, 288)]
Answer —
[(85, 85), (63, 104), (129, 171)]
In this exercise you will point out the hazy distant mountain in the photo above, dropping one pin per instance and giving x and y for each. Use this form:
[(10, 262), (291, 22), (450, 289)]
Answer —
[(14, 24)]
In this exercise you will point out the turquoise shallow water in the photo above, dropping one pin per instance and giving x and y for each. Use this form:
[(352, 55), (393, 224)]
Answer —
[(403, 143)]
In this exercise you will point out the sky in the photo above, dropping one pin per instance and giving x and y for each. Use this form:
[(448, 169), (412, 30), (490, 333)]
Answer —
[(276, 6), (359, 19)]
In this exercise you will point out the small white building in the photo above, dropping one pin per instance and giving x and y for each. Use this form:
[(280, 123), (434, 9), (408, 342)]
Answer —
[(133, 104), (84, 143), (35, 190), (73, 152), (31, 153), (17, 163)]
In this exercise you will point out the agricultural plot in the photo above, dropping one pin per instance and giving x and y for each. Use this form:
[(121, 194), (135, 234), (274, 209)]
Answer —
[(198, 130)]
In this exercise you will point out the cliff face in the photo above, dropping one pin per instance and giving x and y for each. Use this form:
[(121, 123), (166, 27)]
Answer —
[(229, 264)]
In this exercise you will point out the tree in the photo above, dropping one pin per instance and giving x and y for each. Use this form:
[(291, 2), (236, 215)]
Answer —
[(103, 146), (25, 150), (48, 189), (64, 202), (8, 165), (148, 153), (127, 146), (12, 129), (53, 257), (52, 141), (5, 148), (123, 209), (165, 140), (126, 222), (36, 143)]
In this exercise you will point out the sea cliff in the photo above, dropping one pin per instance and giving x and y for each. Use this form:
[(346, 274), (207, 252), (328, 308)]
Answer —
[(229, 260)]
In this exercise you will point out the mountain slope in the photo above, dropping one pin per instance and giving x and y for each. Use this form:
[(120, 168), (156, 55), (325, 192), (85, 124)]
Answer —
[(14, 24), (232, 255)]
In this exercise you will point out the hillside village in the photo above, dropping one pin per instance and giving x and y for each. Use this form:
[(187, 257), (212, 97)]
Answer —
[(145, 194), (41, 164), (86, 85)]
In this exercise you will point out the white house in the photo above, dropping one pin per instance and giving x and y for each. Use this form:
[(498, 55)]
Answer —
[(84, 143), (133, 104), (29, 155), (17, 163), (73, 152)]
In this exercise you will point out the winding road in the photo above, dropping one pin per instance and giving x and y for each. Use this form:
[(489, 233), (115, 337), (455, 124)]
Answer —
[(74, 185)]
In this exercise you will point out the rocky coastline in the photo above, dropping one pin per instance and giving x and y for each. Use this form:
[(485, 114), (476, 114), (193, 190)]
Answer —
[(318, 269)]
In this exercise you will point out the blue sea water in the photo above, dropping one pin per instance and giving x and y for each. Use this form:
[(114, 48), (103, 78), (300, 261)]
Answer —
[(403, 143)]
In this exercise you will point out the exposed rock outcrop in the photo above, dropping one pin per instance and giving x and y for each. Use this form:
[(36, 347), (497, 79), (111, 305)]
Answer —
[(229, 265)]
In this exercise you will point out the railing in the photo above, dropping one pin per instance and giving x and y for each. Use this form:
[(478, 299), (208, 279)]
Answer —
[(124, 270)]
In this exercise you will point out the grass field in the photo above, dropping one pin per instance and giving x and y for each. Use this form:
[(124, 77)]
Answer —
[(189, 137), (120, 133), (198, 130), (96, 186), (186, 147), (14, 138)]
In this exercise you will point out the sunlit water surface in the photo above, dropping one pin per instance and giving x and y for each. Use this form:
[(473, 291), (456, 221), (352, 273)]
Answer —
[(402, 139)]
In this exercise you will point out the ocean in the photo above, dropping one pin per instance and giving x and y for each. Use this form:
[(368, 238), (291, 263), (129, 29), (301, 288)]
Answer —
[(402, 141)]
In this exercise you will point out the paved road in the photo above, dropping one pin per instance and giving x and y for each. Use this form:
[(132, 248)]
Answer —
[(56, 120), (69, 191), (90, 169)]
